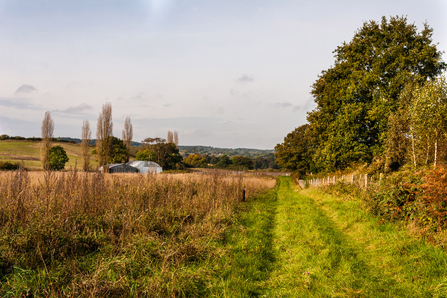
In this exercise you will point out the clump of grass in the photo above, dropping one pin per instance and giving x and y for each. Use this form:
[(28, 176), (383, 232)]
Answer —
[(93, 234)]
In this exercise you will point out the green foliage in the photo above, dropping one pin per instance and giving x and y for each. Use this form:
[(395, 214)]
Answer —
[(165, 154), (242, 162), (57, 158), (295, 154), (356, 96), (208, 150), (428, 114), (266, 161), (117, 151), (9, 166), (196, 161), (224, 162), (145, 154)]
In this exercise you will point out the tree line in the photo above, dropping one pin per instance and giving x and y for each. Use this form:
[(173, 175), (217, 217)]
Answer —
[(108, 149), (383, 103), (237, 162)]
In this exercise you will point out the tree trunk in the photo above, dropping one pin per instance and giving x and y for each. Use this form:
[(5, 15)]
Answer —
[(436, 150), (412, 145)]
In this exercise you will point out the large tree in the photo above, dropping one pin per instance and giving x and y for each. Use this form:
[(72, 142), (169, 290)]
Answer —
[(116, 151), (356, 96), (157, 150), (47, 138), (104, 134), (85, 145), (127, 134), (295, 154)]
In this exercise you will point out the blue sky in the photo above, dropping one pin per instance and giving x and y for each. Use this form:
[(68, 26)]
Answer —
[(221, 73)]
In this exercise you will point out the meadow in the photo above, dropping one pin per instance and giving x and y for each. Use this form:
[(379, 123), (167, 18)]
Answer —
[(76, 234), (29, 153)]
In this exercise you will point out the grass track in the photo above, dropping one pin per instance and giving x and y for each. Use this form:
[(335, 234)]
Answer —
[(309, 244)]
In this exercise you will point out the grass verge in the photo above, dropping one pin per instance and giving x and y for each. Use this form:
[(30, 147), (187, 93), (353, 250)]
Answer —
[(328, 246)]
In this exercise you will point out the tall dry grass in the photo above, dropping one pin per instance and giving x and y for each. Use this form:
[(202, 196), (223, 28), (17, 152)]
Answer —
[(93, 234)]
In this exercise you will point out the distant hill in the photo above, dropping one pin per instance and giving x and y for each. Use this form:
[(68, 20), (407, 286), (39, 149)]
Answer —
[(188, 150), (92, 142), (184, 150)]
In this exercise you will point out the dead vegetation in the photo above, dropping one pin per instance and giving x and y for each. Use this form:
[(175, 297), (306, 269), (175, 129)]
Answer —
[(92, 234)]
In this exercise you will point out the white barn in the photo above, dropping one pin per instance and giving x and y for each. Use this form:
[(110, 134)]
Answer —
[(146, 166)]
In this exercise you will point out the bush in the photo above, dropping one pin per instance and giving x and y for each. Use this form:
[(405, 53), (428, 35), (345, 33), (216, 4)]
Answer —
[(9, 166), (58, 158)]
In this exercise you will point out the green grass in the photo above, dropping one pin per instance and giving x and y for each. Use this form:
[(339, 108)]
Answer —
[(309, 244), (249, 258), (283, 243), (29, 152)]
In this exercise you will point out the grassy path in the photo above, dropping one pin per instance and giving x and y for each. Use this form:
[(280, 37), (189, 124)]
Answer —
[(307, 244)]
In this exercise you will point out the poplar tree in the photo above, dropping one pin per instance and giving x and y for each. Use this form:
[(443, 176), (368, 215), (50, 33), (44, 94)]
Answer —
[(47, 137), (104, 134), (85, 145), (170, 138), (176, 138), (127, 134)]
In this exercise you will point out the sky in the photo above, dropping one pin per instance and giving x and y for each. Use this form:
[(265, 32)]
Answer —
[(232, 74)]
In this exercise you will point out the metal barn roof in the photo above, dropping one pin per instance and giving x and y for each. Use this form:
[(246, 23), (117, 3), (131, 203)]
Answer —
[(144, 166)]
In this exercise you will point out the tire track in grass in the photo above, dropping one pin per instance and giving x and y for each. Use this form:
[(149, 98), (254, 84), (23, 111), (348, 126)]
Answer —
[(245, 269), (309, 244), (315, 258)]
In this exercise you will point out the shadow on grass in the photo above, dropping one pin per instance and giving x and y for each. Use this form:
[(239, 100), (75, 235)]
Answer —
[(344, 267), (251, 257)]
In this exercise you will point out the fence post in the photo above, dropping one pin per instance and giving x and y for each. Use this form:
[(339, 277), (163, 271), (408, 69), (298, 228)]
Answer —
[(243, 194), (352, 179), (366, 181), (380, 179)]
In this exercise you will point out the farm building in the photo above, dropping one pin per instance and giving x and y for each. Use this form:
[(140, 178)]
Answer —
[(119, 168), (146, 166)]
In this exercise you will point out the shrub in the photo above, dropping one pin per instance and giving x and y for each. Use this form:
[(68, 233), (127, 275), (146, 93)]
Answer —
[(9, 166), (58, 158)]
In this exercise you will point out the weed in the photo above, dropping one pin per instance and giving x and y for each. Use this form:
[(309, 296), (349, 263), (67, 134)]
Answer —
[(102, 235)]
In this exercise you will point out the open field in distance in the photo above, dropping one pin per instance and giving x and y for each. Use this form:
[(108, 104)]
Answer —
[(29, 153)]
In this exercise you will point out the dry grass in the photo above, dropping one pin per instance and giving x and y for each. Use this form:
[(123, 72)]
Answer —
[(92, 234)]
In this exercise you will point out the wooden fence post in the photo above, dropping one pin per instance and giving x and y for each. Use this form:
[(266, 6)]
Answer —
[(352, 179), (366, 181), (243, 194)]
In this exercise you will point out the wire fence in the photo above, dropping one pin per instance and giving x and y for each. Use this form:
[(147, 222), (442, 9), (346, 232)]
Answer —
[(364, 181)]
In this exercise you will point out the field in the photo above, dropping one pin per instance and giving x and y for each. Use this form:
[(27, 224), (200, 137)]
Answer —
[(75, 234), (29, 153)]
